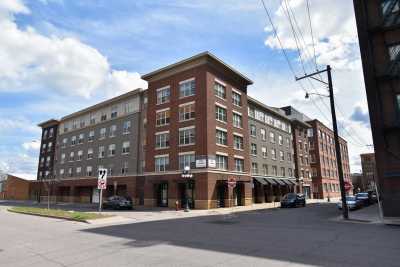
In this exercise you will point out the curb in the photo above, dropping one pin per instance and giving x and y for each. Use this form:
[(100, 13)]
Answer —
[(48, 216)]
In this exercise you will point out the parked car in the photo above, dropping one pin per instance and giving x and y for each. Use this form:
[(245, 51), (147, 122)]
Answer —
[(118, 202), (293, 200), (352, 203), (365, 198)]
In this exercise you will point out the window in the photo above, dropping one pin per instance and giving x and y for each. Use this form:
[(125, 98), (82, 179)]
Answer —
[(236, 99), (74, 124), (62, 158), (239, 165), (187, 136), (272, 137), (221, 137), (163, 95), (187, 88), (49, 146), (64, 142), (219, 90), (265, 169), (82, 123), (253, 130), (281, 155), (162, 117), (114, 112), (61, 172), (111, 150), (273, 154), (186, 160), (162, 140), (126, 127), (124, 168), (289, 156), (126, 147), (70, 172), (161, 163), (101, 152), (398, 102), (253, 149), (102, 133), (43, 148), (254, 168), (263, 134), (283, 171), (91, 136), (89, 171), (71, 156), (51, 132), (73, 140), (80, 155), (113, 130), (275, 170), (90, 153), (264, 152), (78, 170), (290, 172), (220, 114), (237, 120), (48, 161), (280, 140), (238, 142), (81, 138), (394, 51), (41, 162), (186, 111), (44, 135), (221, 162), (92, 118), (129, 106), (103, 116)]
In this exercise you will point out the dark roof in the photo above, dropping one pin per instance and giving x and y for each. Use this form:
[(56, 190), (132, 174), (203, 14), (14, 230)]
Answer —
[(48, 123), (207, 55)]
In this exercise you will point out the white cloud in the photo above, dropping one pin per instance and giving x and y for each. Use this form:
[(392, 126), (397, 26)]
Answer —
[(32, 145), (20, 124), (32, 61)]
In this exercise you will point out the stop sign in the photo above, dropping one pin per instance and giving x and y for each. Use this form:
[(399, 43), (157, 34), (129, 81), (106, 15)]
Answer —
[(232, 182)]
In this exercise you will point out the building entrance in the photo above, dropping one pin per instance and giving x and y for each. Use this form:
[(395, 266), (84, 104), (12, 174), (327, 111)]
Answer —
[(162, 194)]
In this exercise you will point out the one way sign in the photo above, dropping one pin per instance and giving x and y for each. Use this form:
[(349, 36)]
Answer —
[(102, 179)]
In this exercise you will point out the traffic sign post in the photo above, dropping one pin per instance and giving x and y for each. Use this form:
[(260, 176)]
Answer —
[(232, 184), (101, 184), (186, 174)]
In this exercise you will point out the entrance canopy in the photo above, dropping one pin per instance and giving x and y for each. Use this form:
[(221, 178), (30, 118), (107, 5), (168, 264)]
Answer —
[(274, 180)]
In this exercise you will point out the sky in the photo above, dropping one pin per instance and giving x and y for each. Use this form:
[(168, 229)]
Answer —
[(59, 56)]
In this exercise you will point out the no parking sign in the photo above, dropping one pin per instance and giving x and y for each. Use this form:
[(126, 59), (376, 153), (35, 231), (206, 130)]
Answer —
[(102, 179)]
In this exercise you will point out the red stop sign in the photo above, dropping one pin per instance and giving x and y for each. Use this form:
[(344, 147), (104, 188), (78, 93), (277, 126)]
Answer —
[(347, 186)]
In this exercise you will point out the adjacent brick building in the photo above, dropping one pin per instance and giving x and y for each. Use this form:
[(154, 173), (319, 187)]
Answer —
[(369, 173), (378, 25), (324, 171)]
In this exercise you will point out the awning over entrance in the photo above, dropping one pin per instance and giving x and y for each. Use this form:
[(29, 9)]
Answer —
[(271, 181), (280, 181), (260, 180)]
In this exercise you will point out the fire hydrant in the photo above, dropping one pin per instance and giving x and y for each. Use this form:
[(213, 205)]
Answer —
[(177, 205)]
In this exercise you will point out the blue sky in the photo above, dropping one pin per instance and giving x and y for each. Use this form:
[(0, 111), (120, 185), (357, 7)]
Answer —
[(59, 56)]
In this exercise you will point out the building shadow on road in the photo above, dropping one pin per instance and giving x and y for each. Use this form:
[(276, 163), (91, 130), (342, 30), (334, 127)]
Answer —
[(303, 235)]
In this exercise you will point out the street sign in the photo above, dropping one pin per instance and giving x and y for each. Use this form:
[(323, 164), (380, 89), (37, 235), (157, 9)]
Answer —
[(232, 182), (102, 179)]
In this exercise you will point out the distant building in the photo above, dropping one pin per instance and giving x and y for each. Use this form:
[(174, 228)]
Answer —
[(378, 25), (356, 179), (324, 170), (14, 188), (369, 172)]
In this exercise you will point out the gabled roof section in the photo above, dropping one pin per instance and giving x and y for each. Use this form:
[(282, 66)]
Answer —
[(193, 61), (275, 111), (48, 123)]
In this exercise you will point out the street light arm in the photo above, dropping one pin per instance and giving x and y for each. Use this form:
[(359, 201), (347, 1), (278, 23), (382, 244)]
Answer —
[(308, 95)]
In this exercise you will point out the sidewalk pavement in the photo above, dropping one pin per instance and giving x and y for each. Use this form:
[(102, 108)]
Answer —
[(368, 214)]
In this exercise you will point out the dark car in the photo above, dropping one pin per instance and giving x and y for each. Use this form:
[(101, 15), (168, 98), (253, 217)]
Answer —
[(293, 200), (118, 202), (365, 198)]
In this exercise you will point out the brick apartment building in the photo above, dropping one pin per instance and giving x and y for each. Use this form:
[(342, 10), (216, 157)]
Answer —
[(301, 150), (378, 25), (194, 113), (324, 171), (369, 173)]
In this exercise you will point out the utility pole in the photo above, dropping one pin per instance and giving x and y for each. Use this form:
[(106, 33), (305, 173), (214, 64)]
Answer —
[(335, 133)]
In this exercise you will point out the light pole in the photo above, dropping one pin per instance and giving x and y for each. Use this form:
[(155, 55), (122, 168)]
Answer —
[(187, 175), (335, 132)]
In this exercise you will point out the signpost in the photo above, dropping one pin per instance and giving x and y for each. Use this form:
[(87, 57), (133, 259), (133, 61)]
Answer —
[(232, 184), (101, 184)]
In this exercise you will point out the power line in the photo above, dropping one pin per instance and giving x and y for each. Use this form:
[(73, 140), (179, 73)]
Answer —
[(312, 35)]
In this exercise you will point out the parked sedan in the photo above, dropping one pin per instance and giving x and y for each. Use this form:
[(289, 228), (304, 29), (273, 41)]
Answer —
[(364, 198), (118, 202), (352, 203), (293, 200)]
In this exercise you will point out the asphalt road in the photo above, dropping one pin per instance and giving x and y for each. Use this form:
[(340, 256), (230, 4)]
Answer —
[(282, 237)]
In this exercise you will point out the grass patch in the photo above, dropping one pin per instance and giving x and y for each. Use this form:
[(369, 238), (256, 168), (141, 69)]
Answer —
[(56, 213)]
